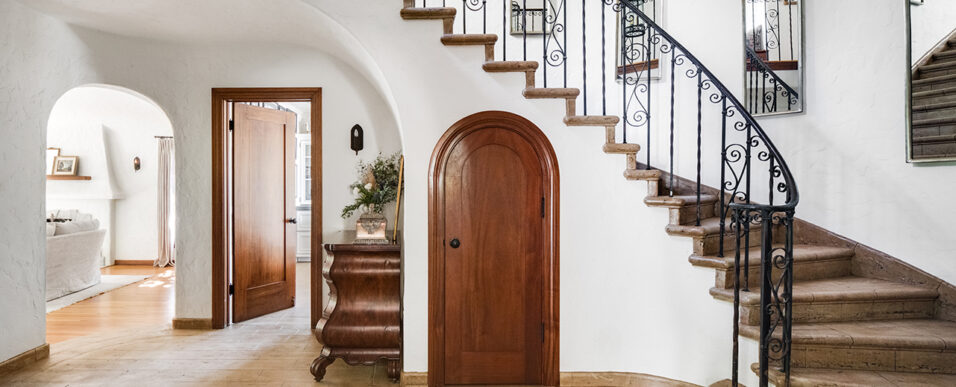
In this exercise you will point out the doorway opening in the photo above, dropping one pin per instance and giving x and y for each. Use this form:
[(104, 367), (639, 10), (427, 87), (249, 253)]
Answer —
[(493, 254), (109, 213), (267, 145)]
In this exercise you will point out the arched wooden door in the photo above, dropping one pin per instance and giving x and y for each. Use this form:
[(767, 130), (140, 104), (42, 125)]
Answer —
[(493, 257)]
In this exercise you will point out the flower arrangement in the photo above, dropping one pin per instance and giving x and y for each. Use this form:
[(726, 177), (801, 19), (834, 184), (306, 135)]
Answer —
[(377, 187)]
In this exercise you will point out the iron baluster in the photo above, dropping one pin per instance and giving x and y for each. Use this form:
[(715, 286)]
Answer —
[(504, 29), (700, 89), (544, 43), (524, 30), (584, 52), (673, 73), (723, 175)]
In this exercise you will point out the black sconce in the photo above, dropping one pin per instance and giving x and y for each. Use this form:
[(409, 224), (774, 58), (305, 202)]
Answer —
[(358, 138), (136, 164)]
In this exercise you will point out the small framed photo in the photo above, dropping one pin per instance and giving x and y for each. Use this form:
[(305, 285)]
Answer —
[(51, 155), (65, 165)]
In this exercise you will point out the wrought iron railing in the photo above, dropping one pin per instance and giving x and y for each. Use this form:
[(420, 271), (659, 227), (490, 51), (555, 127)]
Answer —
[(765, 89), (756, 192), (771, 28)]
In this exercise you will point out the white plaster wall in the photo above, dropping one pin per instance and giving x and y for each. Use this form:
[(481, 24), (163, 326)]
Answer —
[(119, 126), (931, 23), (38, 58)]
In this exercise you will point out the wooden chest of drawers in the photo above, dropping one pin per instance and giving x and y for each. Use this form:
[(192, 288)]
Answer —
[(362, 322)]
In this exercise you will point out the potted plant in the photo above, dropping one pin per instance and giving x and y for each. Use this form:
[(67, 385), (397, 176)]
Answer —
[(377, 186)]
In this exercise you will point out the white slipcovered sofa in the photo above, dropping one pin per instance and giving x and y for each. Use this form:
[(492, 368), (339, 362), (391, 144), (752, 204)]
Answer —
[(73, 257)]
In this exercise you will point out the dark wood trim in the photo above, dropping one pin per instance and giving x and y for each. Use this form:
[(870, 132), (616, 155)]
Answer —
[(192, 323), (637, 67), (436, 264), (134, 262), (220, 280)]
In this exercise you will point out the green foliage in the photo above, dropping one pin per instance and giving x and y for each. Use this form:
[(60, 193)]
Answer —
[(376, 187)]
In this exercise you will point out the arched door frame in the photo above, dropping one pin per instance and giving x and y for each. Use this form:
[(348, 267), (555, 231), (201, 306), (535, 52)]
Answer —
[(436, 259)]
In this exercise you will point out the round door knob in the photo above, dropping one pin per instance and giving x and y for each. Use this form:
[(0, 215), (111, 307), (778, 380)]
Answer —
[(455, 243)]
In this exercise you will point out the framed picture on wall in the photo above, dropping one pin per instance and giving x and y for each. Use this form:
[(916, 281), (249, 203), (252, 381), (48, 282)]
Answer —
[(65, 165), (51, 155)]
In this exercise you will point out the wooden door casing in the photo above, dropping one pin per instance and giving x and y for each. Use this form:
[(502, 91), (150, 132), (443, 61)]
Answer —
[(493, 301), (263, 199)]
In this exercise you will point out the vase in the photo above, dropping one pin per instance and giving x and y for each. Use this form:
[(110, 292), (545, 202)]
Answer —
[(370, 229)]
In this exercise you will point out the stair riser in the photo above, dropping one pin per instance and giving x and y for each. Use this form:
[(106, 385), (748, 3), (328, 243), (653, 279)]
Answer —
[(924, 73), (950, 97), (936, 113), (710, 245), (874, 359), (688, 214), (934, 86), (814, 312), (803, 271)]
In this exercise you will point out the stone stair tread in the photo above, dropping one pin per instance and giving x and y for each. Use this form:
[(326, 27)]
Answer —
[(800, 377), (591, 120), (935, 106), (616, 148), (801, 253), (642, 174), (678, 201), (840, 289), (935, 121), (934, 139), (468, 39), (936, 79), (550, 92), (516, 66), (708, 226), (931, 93), (945, 53), (430, 13), (925, 334), (937, 66)]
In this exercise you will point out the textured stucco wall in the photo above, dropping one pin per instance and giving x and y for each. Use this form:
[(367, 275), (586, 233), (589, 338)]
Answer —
[(38, 58)]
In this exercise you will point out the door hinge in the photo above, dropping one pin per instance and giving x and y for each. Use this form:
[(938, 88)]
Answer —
[(232, 125), (232, 289), (542, 332), (542, 206)]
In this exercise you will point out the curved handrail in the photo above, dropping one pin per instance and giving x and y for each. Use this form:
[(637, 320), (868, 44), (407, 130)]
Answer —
[(757, 61), (793, 196)]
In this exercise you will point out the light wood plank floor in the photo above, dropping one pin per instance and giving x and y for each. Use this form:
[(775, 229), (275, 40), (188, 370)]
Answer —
[(273, 350), (146, 303)]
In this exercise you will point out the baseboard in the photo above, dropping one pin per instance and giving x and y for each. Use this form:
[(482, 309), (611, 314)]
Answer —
[(192, 323), (416, 379), (25, 359), (134, 262)]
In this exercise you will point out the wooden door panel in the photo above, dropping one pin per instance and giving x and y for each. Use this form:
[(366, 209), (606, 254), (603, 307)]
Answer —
[(493, 187), (263, 198)]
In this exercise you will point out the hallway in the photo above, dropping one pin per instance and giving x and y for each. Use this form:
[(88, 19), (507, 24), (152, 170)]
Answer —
[(273, 350)]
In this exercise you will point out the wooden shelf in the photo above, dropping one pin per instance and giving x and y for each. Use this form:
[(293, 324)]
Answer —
[(67, 177)]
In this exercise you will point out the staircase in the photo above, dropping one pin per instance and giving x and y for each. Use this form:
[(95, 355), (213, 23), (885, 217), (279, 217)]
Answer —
[(934, 104), (847, 329)]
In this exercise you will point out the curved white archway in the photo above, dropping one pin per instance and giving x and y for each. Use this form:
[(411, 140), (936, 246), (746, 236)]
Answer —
[(108, 128)]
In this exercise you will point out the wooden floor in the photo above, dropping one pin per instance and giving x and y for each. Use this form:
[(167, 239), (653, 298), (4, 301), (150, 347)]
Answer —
[(146, 303), (273, 350)]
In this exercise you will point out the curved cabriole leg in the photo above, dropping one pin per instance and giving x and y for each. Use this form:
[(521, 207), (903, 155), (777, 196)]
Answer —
[(319, 365), (391, 368)]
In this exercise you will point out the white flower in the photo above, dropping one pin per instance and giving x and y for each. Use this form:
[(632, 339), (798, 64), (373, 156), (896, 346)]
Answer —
[(368, 186), (355, 191)]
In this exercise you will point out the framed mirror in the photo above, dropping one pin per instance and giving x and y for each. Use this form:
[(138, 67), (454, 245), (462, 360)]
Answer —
[(931, 80), (773, 56)]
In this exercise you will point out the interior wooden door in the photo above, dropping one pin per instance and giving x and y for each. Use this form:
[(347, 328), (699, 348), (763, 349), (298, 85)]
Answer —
[(494, 256), (264, 228)]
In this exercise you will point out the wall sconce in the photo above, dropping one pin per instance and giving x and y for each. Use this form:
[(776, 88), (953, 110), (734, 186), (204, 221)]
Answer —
[(136, 164), (358, 138)]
